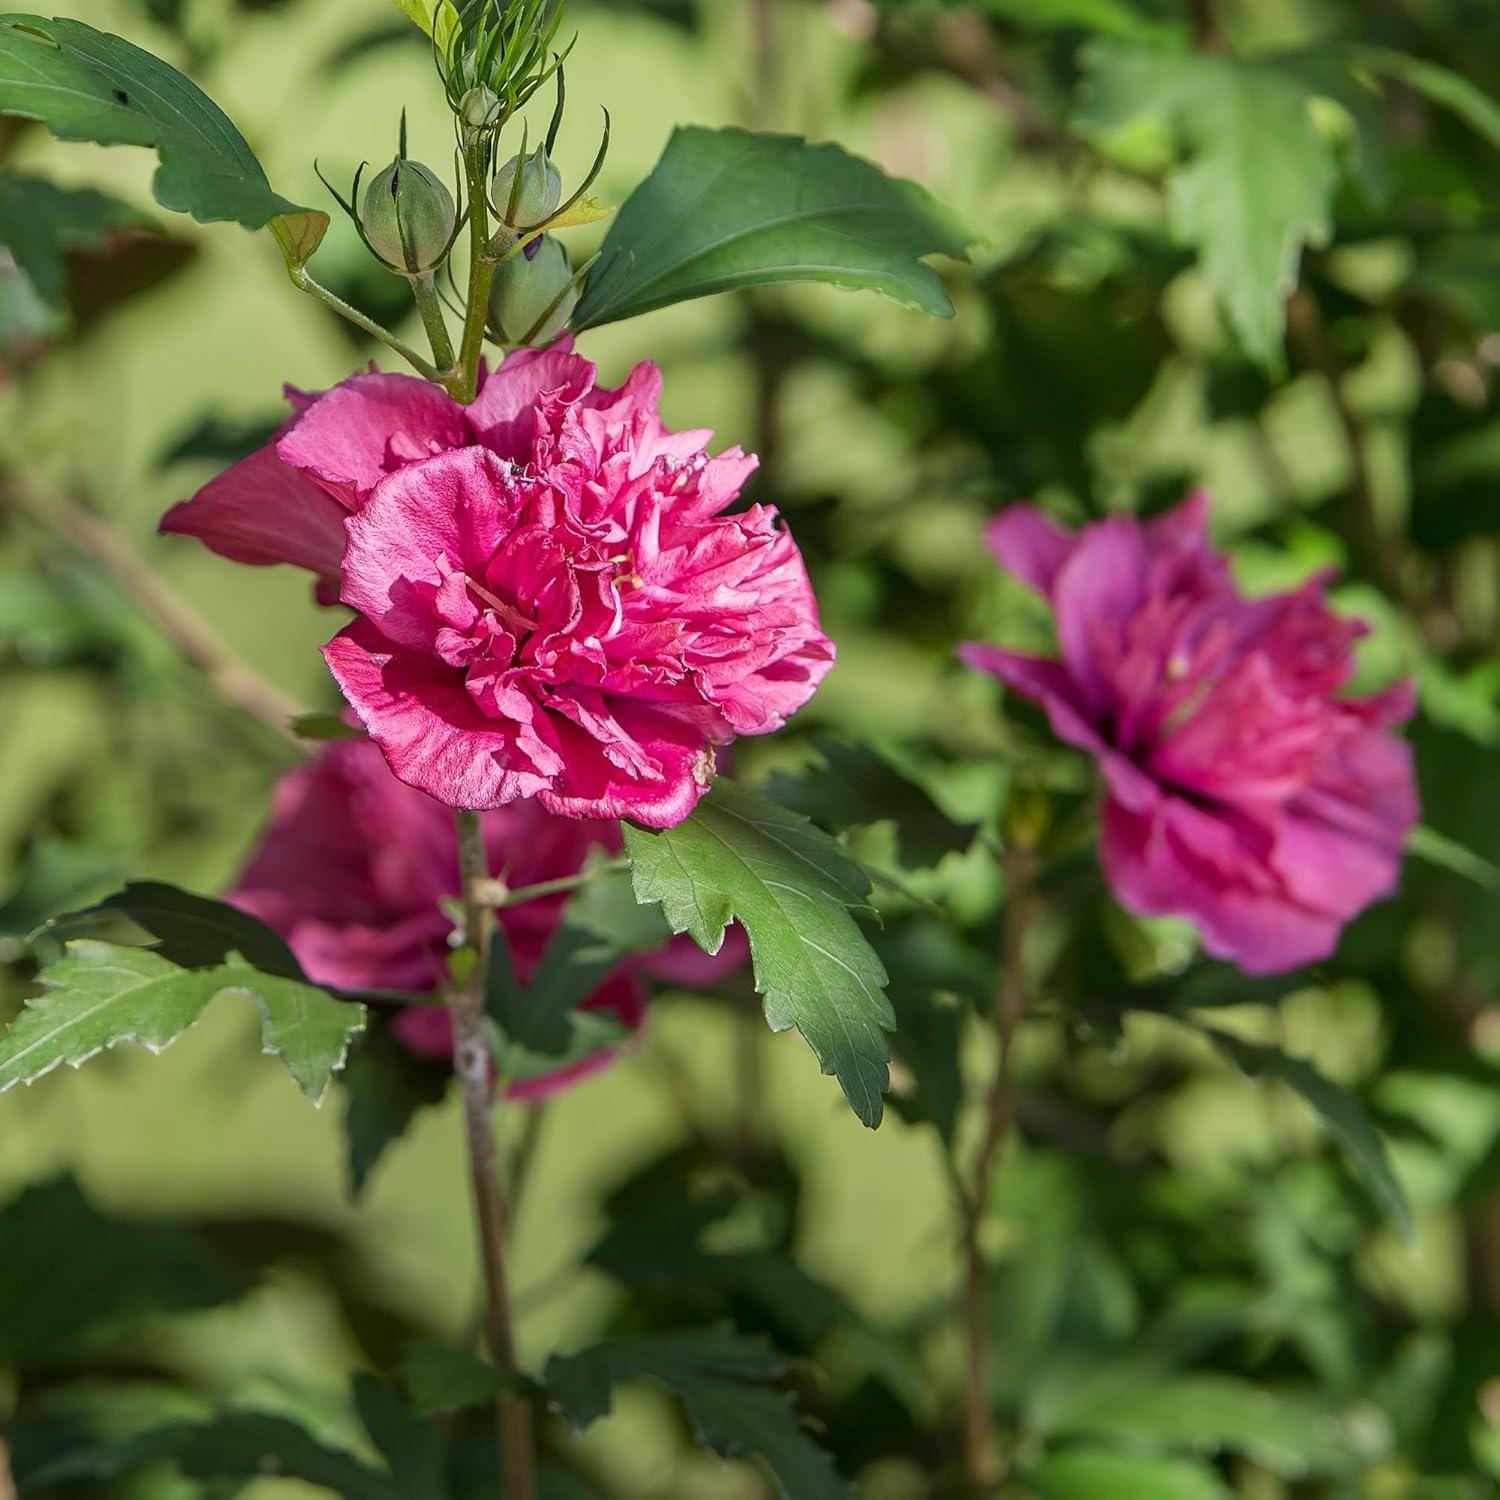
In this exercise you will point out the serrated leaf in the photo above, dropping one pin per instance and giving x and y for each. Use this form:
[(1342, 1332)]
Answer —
[(40, 222), (99, 995), (728, 209), (852, 786), (792, 888), (720, 1379), (1257, 182), (307, 1028), (439, 1378), (1343, 1116), (88, 85)]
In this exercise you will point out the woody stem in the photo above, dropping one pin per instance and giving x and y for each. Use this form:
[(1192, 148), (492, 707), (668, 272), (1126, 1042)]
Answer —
[(473, 1065)]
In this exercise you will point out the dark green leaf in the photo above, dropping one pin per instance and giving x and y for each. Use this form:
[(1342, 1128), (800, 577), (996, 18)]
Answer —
[(240, 1446), (413, 1448), (740, 856), (385, 1087), (1341, 1113), (721, 1380), (56, 876), (307, 1028), (87, 85), (728, 209), (440, 1378), (854, 785), (70, 1275), (325, 727), (39, 222), (1258, 180)]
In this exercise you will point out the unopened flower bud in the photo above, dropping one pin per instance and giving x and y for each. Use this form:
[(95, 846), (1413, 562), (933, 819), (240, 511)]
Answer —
[(536, 197), (409, 217), (479, 108), (525, 287)]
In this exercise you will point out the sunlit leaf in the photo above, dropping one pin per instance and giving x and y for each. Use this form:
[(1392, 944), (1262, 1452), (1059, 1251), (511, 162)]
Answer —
[(87, 85), (727, 209), (741, 856)]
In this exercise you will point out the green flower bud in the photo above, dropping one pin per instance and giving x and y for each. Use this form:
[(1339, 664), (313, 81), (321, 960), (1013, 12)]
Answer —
[(479, 108), (537, 197), (409, 217), (524, 288)]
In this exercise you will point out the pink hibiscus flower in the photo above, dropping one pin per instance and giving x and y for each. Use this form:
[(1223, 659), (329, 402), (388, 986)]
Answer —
[(1241, 791), (551, 602), (354, 866)]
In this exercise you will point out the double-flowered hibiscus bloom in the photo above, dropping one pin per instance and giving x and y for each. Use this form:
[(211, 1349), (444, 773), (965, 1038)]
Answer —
[(550, 601), (1244, 792), (354, 871)]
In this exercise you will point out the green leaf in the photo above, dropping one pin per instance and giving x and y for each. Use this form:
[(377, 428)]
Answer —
[(99, 995), (385, 1088), (87, 85), (236, 1446), (1257, 183), (852, 786), (1290, 1433), (40, 221), (415, 1450), (720, 1379), (1341, 1113), (325, 727), (307, 1028), (542, 1029), (193, 931), (1105, 17), (727, 209), (439, 1378), (740, 856), (114, 1272), (1102, 1474), (1443, 86)]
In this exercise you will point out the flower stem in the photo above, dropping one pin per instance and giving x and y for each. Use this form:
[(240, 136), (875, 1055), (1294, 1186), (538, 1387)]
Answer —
[(983, 1463), (463, 385), (496, 895), (474, 1068), (303, 280), (430, 306)]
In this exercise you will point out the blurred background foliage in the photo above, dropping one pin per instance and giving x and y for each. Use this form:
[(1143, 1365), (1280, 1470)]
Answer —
[(1193, 1294)]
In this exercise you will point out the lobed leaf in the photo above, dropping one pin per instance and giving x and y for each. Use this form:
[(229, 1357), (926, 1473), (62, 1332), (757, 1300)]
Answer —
[(720, 1379), (728, 209), (40, 222), (789, 884)]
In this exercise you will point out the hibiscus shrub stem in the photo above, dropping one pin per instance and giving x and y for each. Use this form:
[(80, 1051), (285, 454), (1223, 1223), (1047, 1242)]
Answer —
[(983, 1462), (473, 1065)]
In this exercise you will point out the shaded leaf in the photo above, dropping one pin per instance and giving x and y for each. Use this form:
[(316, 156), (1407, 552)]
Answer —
[(385, 1087), (852, 786), (307, 1028), (720, 1379), (414, 1449), (112, 1272), (87, 85), (728, 209), (40, 221), (1341, 1113), (791, 887), (439, 1378)]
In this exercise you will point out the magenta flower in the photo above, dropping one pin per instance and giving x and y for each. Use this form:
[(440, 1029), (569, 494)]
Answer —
[(550, 601), (1241, 792), (354, 866)]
